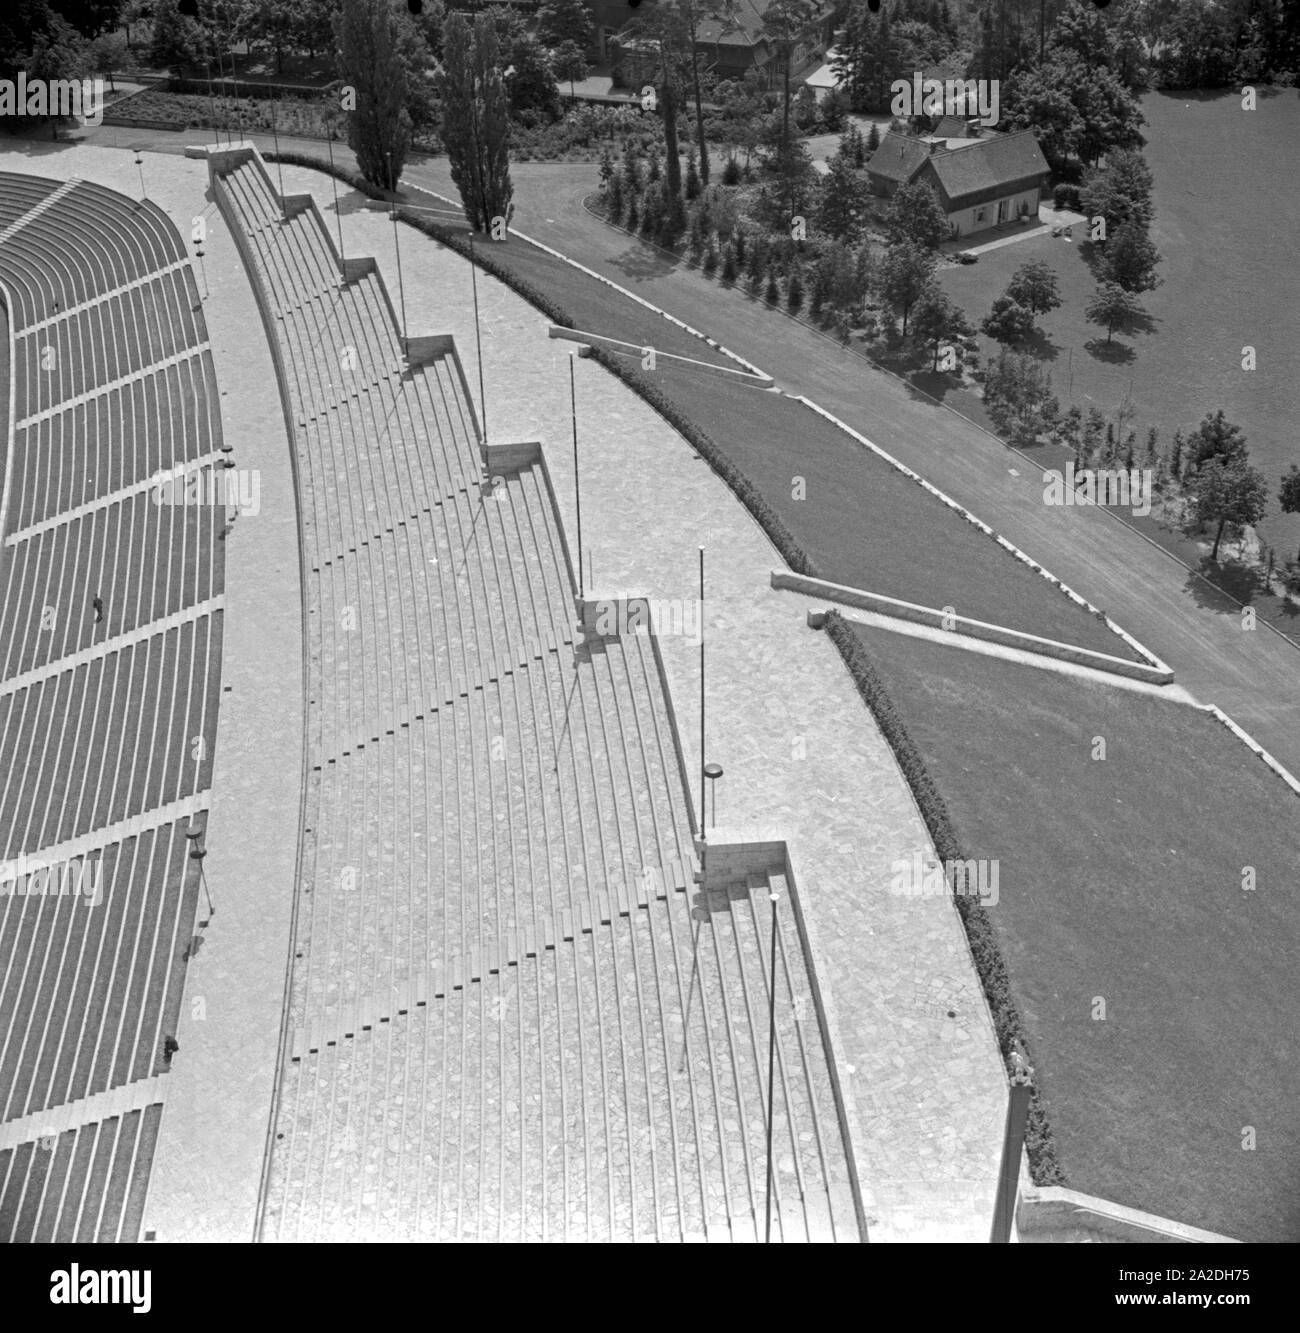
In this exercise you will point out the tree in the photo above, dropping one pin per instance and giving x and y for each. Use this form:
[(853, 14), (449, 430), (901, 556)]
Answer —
[(905, 275), (476, 126), (560, 21), (938, 320), (693, 183), (873, 139), (1229, 491), (108, 53), (1289, 493), (175, 39), (89, 17), (58, 52), (783, 24), (1018, 396), (1120, 191), (1215, 437), (916, 215), (870, 58), (1131, 258), (369, 35), (844, 201), (1008, 321), (1113, 308), (794, 292), (530, 79), (662, 28), (570, 63), (834, 108), (1033, 286)]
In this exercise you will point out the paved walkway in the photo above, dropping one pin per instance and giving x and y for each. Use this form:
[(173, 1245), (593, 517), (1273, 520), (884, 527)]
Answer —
[(802, 758), (211, 1144)]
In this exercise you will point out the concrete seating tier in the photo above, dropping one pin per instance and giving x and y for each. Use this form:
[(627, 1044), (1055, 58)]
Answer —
[(109, 740), (87, 1185), (600, 1075), (116, 440), (101, 723), (512, 1016), (118, 960), (145, 561)]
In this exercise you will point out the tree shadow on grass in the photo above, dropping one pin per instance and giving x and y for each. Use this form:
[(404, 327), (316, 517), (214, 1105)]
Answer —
[(646, 261), (1039, 345), (936, 384), (1112, 353)]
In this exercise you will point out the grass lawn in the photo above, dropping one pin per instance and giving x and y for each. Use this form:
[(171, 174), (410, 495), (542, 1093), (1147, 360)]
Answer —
[(1122, 880), (861, 521), (1226, 222)]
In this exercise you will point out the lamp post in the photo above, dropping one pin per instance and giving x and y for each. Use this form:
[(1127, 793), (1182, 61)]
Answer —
[(279, 166), (401, 286), (139, 166), (713, 772), (577, 486), (198, 853), (204, 269), (478, 348), (338, 216), (775, 899)]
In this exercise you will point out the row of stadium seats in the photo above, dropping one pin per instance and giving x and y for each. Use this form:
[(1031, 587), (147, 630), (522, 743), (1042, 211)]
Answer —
[(87, 1186), (107, 720), (606, 1085)]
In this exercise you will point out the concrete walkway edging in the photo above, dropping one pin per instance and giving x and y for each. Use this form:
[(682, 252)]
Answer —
[(978, 629)]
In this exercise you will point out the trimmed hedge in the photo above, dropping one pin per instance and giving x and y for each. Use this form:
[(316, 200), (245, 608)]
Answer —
[(1039, 1143)]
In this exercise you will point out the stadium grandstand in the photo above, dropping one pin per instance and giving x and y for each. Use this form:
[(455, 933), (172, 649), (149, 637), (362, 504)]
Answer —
[(515, 1008), (111, 627)]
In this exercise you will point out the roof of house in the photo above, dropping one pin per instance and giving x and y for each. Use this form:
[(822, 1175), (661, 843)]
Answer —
[(898, 158), (744, 27), (986, 166), (950, 127)]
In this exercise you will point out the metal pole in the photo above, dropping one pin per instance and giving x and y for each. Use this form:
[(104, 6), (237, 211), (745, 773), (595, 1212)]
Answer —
[(771, 1065), (279, 166), (577, 487), (703, 834), (401, 287), (338, 217), (478, 343)]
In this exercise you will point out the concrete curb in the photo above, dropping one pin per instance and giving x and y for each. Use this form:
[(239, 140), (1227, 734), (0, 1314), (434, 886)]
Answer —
[(1285, 774), (977, 629)]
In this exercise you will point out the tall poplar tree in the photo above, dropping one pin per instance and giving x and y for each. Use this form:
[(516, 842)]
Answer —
[(372, 66), (476, 121)]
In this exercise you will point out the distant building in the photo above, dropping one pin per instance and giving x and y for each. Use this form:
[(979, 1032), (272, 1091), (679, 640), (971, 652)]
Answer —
[(981, 182), (730, 48)]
